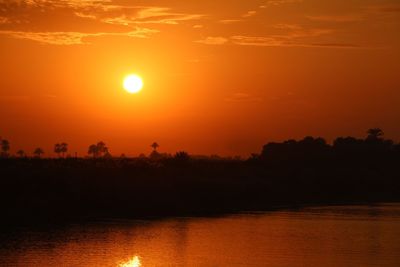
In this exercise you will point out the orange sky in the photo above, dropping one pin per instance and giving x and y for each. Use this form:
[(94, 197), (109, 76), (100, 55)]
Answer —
[(219, 78)]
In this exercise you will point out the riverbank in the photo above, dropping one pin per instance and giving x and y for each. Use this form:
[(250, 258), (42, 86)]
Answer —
[(39, 191)]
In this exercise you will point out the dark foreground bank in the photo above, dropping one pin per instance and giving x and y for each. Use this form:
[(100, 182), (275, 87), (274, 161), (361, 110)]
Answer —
[(35, 191), (289, 174)]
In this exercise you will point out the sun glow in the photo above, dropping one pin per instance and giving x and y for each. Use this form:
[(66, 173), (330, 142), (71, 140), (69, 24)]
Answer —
[(134, 262), (133, 84)]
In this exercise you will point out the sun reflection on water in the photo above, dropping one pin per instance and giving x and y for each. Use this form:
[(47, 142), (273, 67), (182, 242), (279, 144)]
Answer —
[(134, 262)]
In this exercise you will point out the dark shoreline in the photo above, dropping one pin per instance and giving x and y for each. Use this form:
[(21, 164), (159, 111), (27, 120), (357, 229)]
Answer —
[(34, 192), (289, 174), (56, 224)]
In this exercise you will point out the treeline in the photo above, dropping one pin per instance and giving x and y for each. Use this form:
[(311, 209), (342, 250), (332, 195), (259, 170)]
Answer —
[(60, 149), (287, 174), (349, 149), (374, 145), (97, 150)]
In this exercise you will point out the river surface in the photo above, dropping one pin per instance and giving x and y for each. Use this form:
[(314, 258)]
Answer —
[(323, 236)]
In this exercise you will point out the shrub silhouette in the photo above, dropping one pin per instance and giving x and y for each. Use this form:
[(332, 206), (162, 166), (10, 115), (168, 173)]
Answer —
[(21, 153), (182, 156), (38, 152)]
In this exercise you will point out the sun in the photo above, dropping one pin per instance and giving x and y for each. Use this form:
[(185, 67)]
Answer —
[(134, 262), (133, 84)]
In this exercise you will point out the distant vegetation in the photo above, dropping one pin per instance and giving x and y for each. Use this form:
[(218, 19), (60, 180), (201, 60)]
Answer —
[(291, 173), (61, 149)]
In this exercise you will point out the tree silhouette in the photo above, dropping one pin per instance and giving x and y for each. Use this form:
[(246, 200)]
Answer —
[(101, 148), (21, 153), (107, 155), (374, 134), (57, 149), (5, 147), (98, 150), (38, 152), (154, 155), (309, 148), (182, 156), (347, 142), (93, 150), (63, 149), (155, 146)]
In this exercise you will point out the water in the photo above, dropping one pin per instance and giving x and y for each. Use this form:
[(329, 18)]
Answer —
[(327, 236)]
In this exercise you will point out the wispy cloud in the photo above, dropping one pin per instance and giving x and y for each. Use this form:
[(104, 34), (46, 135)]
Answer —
[(242, 98), (108, 12), (58, 3), (284, 42), (384, 8), (337, 45), (4, 20), (249, 14), (14, 98), (148, 15), (213, 41), (283, 26), (92, 14), (296, 36), (47, 21), (282, 2), (229, 21), (49, 96), (337, 18), (72, 38), (370, 12), (83, 15), (256, 41)]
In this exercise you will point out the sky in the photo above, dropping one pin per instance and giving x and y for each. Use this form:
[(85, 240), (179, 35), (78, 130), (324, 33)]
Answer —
[(220, 77)]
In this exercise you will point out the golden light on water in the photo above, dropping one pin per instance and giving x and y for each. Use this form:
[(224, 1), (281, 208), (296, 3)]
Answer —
[(134, 262)]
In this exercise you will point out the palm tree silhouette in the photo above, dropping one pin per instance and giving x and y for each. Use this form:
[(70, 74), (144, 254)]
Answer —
[(155, 146), (57, 149), (374, 133), (5, 147), (21, 153), (38, 152), (63, 149)]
